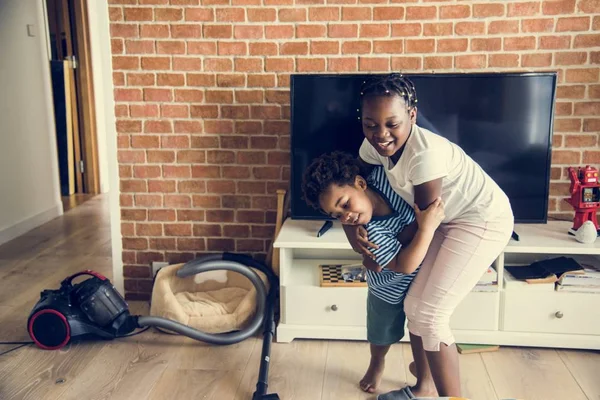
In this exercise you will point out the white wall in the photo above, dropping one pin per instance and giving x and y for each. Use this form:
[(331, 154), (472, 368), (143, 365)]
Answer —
[(29, 183), (107, 134)]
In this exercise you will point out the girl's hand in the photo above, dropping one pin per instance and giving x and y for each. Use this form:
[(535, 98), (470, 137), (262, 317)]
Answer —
[(357, 236), (370, 264), (430, 218)]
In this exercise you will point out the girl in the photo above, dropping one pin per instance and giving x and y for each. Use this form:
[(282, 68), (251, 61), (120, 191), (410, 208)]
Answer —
[(422, 166)]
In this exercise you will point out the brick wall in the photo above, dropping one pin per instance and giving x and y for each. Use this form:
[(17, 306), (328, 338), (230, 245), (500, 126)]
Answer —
[(202, 100)]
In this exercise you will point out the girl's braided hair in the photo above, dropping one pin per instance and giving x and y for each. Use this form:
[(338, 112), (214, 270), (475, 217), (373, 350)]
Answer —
[(389, 85), (334, 168)]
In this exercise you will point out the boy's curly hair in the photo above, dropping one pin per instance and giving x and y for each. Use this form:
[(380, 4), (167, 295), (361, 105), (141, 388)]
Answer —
[(334, 168)]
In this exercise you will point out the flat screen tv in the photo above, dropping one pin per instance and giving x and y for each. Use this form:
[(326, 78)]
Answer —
[(502, 120)]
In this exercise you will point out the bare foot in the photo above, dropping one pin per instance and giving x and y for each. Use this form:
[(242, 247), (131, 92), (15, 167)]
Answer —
[(372, 377), (420, 390)]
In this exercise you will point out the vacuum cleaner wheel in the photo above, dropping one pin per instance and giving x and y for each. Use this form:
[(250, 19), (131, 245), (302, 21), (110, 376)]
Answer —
[(49, 329)]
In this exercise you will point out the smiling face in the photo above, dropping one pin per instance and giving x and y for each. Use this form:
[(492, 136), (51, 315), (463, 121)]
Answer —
[(348, 203), (387, 122)]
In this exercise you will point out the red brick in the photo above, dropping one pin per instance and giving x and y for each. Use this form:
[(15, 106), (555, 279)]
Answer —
[(591, 125), (187, 31), (190, 215), (253, 127), (161, 156), (594, 92), (251, 187), (220, 186), (293, 48), (589, 6), (216, 126), (596, 23), (573, 24), (537, 25), (138, 14), (567, 125), (178, 229), (324, 14), (356, 47), (220, 245), (263, 142), (162, 243), (277, 127), (248, 65), (374, 63), (595, 57), (437, 29), (342, 64), (170, 47), (250, 245), (133, 215), (176, 171), (503, 60), (554, 42), (131, 156), (204, 142), (129, 126), (260, 231), (219, 96), (199, 14), (125, 62), (470, 61), (519, 43), (406, 63), (191, 187), (174, 111), (488, 10), (236, 172), (265, 112), (115, 14), (591, 40), (218, 64), (248, 32), (124, 30), (133, 186), (161, 186), (356, 14), (292, 15), (154, 31), (438, 62), (121, 110), (249, 96), (311, 31), (189, 95), (219, 216), (455, 12), (579, 141), (454, 45), (204, 230), (391, 13), (409, 29), (132, 271), (279, 31), (570, 92), (234, 142), (203, 47), (140, 79), (218, 31), (374, 30), (149, 229), (558, 7), (325, 47), (496, 27), (190, 244), (591, 157), (262, 14), (125, 171), (145, 141), (232, 48), (488, 44), (146, 171), (156, 63), (587, 108), (565, 157), (139, 47), (135, 243), (564, 108), (191, 156), (420, 46), (163, 79), (583, 75), (279, 64), (204, 111), (421, 12), (168, 14), (230, 14), (250, 217), (263, 49), (524, 9), (251, 157), (117, 46), (278, 96), (236, 231), (175, 142), (343, 30), (570, 58)]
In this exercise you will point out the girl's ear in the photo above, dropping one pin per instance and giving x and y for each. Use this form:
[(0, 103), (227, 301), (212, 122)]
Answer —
[(412, 114), (360, 182)]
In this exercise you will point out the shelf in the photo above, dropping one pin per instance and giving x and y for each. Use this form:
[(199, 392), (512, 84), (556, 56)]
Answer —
[(306, 272), (550, 238)]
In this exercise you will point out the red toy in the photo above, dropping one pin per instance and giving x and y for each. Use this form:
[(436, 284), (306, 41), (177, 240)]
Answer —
[(585, 196)]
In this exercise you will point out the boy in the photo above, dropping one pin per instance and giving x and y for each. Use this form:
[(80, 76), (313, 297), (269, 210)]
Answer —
[(333, 184)]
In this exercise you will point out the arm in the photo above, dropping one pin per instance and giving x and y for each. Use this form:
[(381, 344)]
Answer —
[(425, 195)]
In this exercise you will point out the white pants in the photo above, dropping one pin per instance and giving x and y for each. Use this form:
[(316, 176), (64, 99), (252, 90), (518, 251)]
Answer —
[(458, 256)]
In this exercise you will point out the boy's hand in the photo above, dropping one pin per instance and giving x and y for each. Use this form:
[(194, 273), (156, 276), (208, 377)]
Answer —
[(357, 236), (430, 218), (370, 264)]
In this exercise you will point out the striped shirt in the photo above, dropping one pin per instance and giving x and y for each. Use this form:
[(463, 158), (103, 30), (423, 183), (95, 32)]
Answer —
[(387, 285)]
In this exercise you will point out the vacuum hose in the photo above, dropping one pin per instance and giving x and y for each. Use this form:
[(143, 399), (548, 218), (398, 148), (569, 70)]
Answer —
[(213, 262)]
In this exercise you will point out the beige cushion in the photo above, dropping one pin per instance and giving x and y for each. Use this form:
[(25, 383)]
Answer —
[(213, 302)]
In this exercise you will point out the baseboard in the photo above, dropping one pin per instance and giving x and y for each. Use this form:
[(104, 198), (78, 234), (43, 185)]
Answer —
[(24, 226)]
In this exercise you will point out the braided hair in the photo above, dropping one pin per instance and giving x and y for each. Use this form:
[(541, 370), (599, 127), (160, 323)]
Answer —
[(334, 168), (390, 85)]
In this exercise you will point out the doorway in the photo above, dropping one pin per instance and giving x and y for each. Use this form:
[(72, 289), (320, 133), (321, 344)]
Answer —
[(73, 95)]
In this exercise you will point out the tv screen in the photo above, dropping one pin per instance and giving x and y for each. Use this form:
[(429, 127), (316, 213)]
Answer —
[(502, 120)]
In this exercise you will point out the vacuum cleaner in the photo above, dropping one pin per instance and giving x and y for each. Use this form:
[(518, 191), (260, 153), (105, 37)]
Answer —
[(94, 309)]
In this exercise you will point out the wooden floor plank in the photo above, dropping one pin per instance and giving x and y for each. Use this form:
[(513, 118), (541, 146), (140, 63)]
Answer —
[(585, 368), (532, 374)]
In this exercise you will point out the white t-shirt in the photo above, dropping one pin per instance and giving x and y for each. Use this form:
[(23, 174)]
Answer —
[(469, 194)]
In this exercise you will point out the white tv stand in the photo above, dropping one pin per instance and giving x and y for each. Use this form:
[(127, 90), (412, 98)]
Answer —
[(523, 316)]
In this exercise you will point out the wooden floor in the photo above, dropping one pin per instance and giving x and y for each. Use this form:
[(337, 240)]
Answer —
[(159, 366)]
